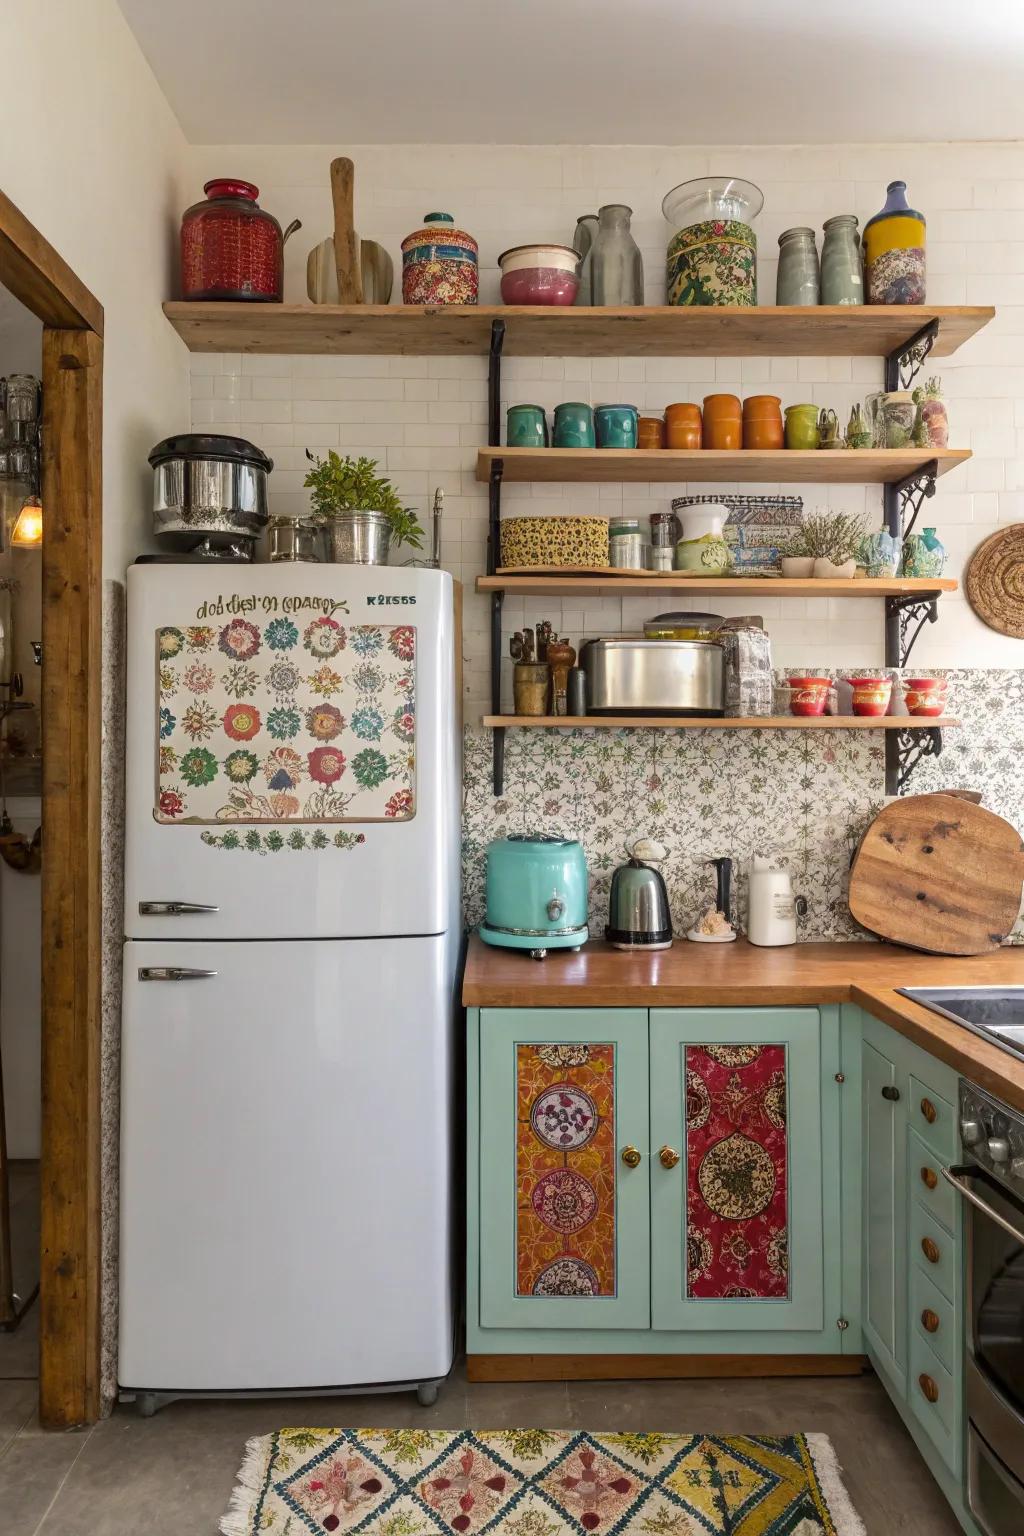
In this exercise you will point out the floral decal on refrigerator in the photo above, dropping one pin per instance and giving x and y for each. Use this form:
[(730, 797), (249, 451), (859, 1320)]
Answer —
[(301, 719)]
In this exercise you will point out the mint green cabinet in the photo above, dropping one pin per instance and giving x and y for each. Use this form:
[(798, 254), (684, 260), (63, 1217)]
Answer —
[(564, 1169), (739, 1221), (884, 1319), (593, 1134), (913, 1282)]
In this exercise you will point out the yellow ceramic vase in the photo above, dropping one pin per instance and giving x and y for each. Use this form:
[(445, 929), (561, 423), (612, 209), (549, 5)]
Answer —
[(894, 251)]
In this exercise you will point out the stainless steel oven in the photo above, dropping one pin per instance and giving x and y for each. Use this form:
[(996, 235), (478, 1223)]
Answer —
[(991, 1182)]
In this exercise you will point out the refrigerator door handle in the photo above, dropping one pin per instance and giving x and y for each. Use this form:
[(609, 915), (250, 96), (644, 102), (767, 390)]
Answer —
[(172, 908), (172, 973)]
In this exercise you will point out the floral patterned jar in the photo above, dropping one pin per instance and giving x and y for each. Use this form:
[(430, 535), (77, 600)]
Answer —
[(894, 251), (713, 257), (439, 263)]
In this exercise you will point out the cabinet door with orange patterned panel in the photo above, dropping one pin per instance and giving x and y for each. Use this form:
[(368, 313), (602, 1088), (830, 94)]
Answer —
[(564, 1219)]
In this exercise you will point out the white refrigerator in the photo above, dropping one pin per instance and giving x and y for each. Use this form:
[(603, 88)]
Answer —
[(292, 923)]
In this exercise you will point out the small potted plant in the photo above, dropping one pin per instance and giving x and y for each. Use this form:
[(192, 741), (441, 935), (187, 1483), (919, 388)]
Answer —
[(359, 509), (825, 546)]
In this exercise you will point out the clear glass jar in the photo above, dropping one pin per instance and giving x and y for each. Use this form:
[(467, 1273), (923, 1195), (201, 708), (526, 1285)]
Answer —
[(616, 265), (841, 279), (798, 280)]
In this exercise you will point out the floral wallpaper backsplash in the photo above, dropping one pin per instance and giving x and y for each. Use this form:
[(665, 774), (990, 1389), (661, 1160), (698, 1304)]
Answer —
[(802, 798)]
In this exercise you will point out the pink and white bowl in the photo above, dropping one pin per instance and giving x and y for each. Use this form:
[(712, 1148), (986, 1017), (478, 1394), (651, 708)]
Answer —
[(539, 274)]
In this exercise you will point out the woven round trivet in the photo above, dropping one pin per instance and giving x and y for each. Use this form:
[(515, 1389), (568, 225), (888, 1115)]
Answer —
[(995, 581)]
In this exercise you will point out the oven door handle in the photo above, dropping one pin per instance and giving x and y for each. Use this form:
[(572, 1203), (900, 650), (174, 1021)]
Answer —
[(957, 1176)]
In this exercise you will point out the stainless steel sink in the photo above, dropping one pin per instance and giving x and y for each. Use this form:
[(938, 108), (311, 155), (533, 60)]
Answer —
[(995, 1013)]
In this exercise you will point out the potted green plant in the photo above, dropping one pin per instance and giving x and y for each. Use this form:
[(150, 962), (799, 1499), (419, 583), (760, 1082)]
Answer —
[(826, 545), (359, 510)]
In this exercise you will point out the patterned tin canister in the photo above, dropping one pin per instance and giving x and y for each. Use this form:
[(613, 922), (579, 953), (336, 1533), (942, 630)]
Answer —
[(439, 263), (894, 251), (713, 263), (580, 541)]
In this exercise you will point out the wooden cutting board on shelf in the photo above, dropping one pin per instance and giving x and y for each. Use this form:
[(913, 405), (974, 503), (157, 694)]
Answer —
[(938, 873)]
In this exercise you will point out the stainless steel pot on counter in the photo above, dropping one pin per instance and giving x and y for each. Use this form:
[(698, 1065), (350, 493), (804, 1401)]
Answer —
[(627, 675), (209, 487)]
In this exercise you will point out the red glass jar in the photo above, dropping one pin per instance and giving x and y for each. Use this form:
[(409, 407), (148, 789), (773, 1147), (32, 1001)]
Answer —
[(231, 248)]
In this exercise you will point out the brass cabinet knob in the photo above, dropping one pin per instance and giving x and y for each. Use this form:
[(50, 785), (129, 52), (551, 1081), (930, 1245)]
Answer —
[(668, 1157), (929, 1177), (631, 1156), (930, 1320), (929, 1111), (930, 1249), (928, 1387)]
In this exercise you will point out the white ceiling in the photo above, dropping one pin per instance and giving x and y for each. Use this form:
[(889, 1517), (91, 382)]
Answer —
[(586, 71)]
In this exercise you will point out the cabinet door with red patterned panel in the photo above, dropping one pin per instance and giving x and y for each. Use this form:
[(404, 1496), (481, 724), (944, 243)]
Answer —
[(563, 1168), (738, 1169)]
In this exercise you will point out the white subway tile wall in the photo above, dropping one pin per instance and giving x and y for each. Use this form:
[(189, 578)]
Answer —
[(425, 418)]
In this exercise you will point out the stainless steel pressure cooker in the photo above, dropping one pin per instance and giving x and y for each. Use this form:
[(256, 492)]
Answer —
[(209, 487), (627, 675)]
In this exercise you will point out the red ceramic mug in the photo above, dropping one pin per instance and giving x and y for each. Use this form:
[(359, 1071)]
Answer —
[(808, 695), (925, 695), (871, 695)]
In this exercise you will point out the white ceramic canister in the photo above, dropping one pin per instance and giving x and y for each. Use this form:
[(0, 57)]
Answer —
[(772, 907)]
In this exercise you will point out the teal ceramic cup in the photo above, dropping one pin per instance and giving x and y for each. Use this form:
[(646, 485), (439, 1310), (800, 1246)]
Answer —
[(527, 427), (615, 426), (574, 425)]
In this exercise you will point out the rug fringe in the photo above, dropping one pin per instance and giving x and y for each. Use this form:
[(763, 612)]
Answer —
[(251, 1476), (829, 1474)]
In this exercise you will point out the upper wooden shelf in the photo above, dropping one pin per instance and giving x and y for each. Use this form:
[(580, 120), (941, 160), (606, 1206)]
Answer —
[(545, 582), (721, 722), (549, 331), (782, 466)]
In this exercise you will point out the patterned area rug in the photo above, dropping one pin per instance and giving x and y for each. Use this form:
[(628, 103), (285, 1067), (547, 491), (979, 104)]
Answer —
[(537, 1482)]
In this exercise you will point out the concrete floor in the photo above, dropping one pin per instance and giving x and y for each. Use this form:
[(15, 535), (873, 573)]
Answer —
[(172, 1475)]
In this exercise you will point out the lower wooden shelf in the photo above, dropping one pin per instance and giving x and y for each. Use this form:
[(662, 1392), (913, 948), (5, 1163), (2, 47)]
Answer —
[(723, 722)]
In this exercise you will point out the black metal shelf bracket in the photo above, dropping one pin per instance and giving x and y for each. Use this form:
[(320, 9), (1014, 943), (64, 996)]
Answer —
[(494, 543), (912, 746), (903, 365)]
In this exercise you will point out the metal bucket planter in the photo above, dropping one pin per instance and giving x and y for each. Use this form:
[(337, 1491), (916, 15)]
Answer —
[(359, 538)]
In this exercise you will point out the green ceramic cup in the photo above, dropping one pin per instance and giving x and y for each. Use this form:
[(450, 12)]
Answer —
[(801, 426), (574, 425), (527, 427), (616, 426)]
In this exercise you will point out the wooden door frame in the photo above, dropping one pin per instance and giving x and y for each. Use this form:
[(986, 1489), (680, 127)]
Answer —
[(72, 373)]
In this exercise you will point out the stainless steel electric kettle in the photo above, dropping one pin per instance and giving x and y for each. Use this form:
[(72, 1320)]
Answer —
[(638, 909)]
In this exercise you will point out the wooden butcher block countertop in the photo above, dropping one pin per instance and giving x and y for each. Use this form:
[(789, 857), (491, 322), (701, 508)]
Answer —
[(741, 975)]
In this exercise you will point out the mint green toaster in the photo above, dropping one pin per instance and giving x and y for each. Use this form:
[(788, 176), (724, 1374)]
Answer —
[(536, 894)]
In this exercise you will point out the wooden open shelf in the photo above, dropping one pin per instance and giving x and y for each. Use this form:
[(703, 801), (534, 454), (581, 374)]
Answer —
[(547, 581), (547, 331), (724, 723), (782, 466)]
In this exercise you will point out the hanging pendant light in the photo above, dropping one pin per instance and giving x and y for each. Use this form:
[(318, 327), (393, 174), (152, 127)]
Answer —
[(28, 528)]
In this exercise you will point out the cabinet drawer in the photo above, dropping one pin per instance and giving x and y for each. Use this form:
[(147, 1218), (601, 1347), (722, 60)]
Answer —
[(929, 1377), (932, 1316), (932, 1249), (927, 1185), (932, 1117)]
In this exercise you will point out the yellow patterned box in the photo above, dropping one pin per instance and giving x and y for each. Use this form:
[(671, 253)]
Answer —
[(579, 542)]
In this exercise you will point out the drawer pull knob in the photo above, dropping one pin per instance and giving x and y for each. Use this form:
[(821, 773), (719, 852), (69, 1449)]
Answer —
[(929, 1177), (668, 1157), (929, 1111), (890, 1093), (631, 1156), (930, 1249), (930, 1320), (928, 1387)]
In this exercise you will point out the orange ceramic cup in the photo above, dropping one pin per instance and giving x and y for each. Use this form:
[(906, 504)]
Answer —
[(925, 695), (650, 432), (871, 695), (723, 422), (682, 425), (762, 422)]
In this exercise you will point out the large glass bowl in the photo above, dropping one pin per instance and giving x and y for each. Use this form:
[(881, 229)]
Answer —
[(712, 197)]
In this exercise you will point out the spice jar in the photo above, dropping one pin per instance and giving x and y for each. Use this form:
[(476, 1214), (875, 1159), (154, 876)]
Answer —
[(627, 547), (683, 425), (723, 422), (231, 248)]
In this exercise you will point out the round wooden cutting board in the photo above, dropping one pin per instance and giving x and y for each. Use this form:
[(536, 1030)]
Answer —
[(937, 873), (995, 581)]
